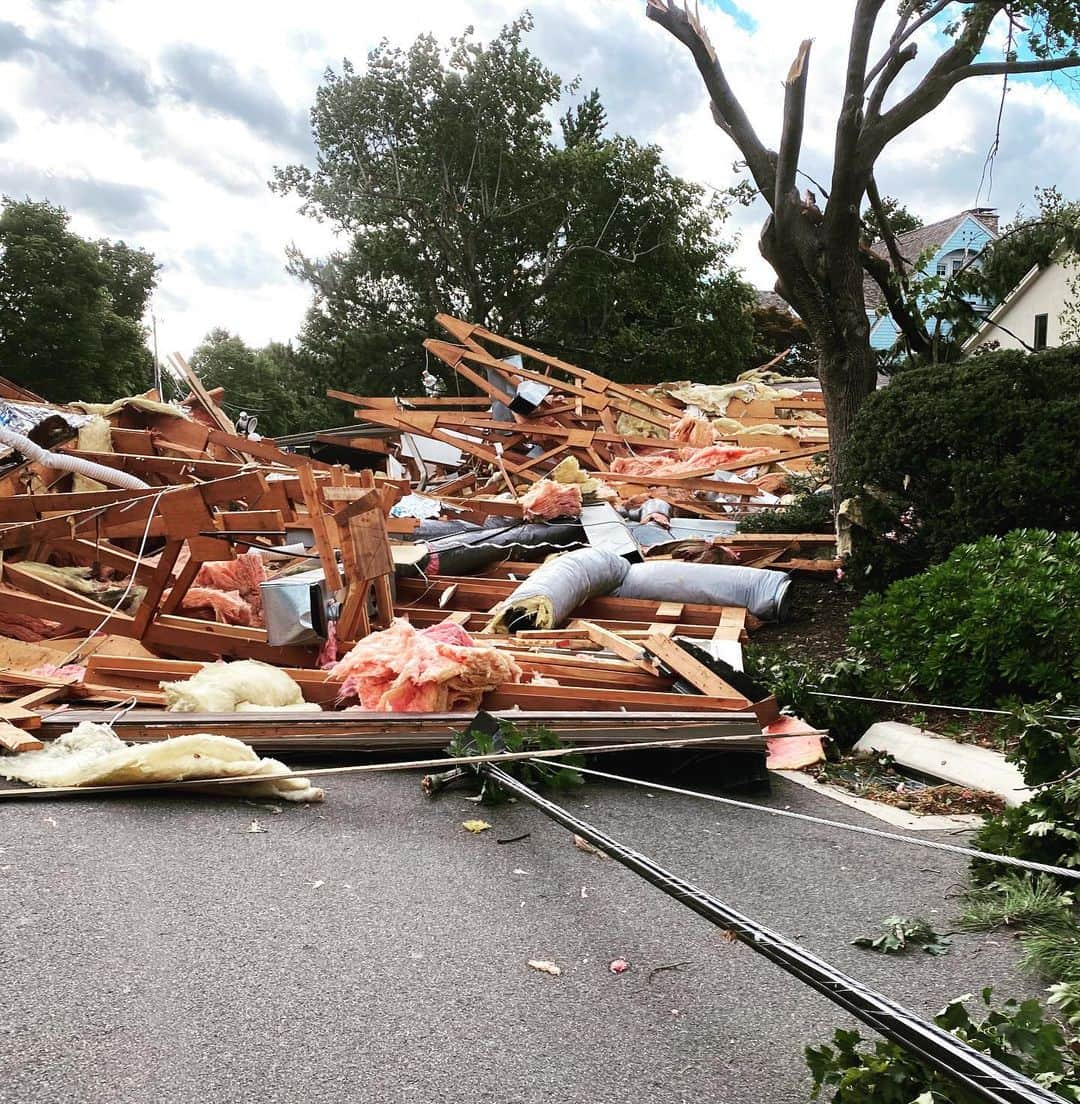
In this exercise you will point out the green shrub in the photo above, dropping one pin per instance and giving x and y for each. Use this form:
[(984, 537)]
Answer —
[(999, 617), (1046, 828), (945, 455), (811, 512), (1016, 1035), (791, 679)]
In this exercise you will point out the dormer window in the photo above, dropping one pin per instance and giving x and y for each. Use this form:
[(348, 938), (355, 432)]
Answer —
[(953, 262)]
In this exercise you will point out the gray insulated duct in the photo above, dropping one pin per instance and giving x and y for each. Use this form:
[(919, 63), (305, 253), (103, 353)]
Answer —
[(763, 593), (555, 589)]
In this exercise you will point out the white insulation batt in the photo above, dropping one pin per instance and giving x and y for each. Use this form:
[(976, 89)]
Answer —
[(245, 686), (93, 755)]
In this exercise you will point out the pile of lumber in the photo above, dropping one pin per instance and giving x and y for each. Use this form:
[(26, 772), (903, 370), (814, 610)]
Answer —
[(109, 590)]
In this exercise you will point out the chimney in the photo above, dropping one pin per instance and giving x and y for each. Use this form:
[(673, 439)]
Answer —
[(989, 217)]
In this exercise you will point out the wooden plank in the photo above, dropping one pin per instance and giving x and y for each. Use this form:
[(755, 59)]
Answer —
[(548, 697), (320, 528), (620, 646), (16, 740), (696, 673)]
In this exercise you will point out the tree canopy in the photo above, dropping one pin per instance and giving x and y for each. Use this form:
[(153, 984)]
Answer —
[(271, 383), (71, 309), (443, 168), (898, 220), (819, 253)]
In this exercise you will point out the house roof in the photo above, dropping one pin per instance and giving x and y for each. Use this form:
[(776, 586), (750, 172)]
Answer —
[(768, 299), (915, 242)]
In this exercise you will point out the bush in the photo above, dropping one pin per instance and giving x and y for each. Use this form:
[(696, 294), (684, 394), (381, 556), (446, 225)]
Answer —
[(809, 513), (945, 455), (999, 617), (1046, 828), (791, 680), (1016, 1035)]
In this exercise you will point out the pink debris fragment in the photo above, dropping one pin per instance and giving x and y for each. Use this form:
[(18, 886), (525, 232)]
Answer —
[(695, 432), (619, 966), (548, 499), (437, 670), (674, 464)]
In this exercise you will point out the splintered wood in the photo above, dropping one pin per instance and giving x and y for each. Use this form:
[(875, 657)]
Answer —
[(108, 593)]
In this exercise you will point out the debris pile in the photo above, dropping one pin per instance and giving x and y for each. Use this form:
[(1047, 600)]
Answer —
[(522, 547)]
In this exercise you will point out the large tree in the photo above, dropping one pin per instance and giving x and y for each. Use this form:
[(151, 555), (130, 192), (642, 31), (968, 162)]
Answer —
[(71, 309), (272, 383), (457, 193), (816, 252)]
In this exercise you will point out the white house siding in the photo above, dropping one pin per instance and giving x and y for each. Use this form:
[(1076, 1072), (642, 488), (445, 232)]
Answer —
[(1046, 292)]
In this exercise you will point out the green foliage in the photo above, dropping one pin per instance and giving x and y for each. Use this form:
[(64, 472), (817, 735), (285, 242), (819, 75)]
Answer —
[(1015, 1034), (811, 512), (999, 617), (1014, 899), (791, 678), (1027, 241), (559, 775), (1052, 950), (776, 331), (902, 933), (1065, 998), (1046, 828), (443, 171), (70, 309), (900, 220), (273, 382), (945, 455)]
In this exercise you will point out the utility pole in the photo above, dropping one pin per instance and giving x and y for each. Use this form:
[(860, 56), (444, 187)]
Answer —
[(157, 363)]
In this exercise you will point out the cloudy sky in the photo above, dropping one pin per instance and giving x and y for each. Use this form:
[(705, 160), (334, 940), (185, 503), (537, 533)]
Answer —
[(161, 123)]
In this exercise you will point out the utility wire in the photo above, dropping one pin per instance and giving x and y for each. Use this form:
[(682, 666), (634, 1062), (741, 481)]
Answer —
[(1075, 718), (984, 1076), (955, 849)]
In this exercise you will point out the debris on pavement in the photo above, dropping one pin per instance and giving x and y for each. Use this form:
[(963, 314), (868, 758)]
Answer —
[(545, 967)]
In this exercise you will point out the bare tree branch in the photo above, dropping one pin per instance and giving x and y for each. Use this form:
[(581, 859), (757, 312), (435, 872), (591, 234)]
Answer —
[(787, 162), (878, 269), (847, 185), (997, 68), (887, 235), (903, 32), (885, 81), (727, 110)]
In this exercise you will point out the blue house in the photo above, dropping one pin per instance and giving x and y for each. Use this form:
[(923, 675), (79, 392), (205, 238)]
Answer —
[(954, 240)]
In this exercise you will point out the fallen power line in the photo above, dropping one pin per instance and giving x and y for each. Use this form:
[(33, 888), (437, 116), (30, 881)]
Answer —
[(365, 768), (1074, 717), (956, 849), (987, 1078)]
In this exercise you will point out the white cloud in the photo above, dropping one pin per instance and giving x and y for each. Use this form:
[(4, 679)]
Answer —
[(163, 124)]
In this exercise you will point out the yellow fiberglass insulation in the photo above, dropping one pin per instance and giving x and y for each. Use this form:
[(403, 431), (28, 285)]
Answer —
[(93, 755), (245, 686)]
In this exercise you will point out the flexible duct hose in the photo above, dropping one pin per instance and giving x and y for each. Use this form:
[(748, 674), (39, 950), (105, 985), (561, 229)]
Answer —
[(102, 474)]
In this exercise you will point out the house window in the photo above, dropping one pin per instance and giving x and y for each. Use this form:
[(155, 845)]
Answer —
[(943, 268), (1040, 331)]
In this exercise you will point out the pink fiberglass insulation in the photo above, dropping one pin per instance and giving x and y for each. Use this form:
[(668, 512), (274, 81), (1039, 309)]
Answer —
[(25, 627), (676, 464), (435, 670), (224, 606), (243, 575), (695, 432), (69, 672), (548, 499)]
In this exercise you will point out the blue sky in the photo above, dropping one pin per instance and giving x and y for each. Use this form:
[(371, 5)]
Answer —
[(162, 124)]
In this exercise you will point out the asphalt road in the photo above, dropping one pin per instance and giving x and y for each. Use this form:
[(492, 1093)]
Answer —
[(370, 949)]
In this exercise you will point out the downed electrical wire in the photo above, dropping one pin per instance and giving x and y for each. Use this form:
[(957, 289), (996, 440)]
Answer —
[(984, 1076)]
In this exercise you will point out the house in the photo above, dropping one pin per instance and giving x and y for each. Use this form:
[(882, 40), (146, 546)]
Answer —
[(954, 242), (1030, 316)]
